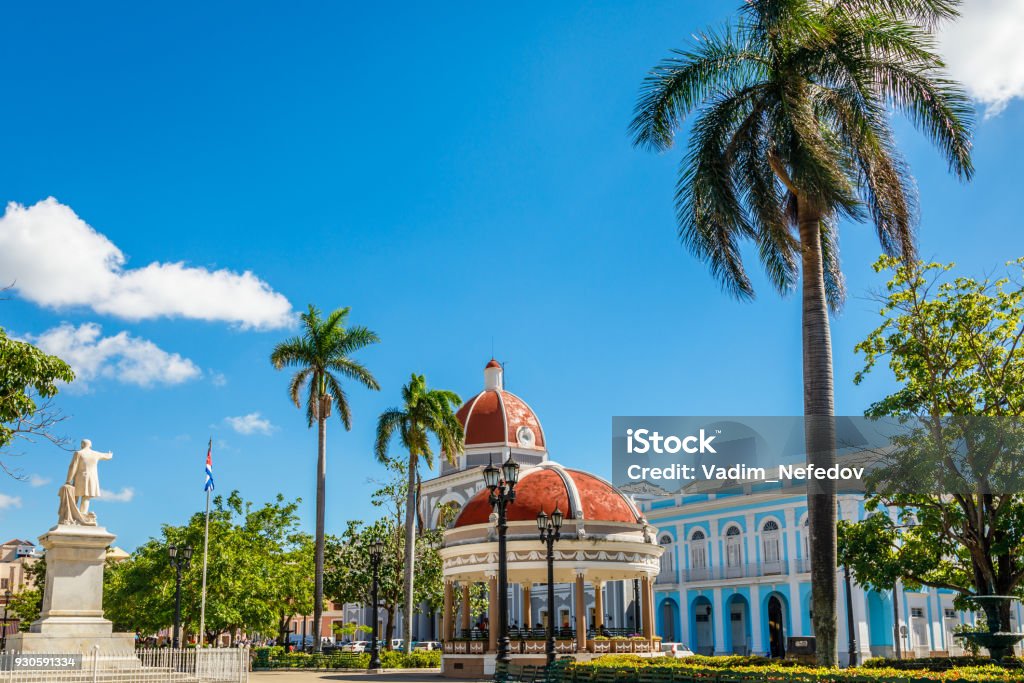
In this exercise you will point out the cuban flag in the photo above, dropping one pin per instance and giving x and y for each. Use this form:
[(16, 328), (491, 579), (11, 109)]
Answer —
[(208, 486)]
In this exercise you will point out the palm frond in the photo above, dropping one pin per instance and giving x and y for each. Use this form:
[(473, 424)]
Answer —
[(388, 423), (299, 379), (681, 83), (340, 399)]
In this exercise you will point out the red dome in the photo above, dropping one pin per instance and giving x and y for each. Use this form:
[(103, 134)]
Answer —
[(550, 485), (499, 417)]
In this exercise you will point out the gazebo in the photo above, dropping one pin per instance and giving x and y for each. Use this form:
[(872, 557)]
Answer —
[(604, 539)]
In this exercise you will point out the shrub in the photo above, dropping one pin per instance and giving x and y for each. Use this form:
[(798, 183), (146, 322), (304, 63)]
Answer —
[(276, 658), (939, 663), (735, 669)]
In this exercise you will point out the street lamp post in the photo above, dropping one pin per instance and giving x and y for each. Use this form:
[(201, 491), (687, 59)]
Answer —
[(180, 559), (852, 642), (550, 531), (7, 605), (376, 551), (502, 484)]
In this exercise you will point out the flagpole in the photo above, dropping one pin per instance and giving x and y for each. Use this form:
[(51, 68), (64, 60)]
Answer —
[(206, 546)]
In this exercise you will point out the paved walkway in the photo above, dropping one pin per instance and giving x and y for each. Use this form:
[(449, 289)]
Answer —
[(286, 676)]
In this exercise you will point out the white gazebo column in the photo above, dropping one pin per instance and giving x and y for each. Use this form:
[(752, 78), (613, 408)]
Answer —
[(492, 608), (446, 615), (581, 611), (719, 616), (646, 616), (465, 605), (526, 613), (650, 604), (755, 619), (598, 606)]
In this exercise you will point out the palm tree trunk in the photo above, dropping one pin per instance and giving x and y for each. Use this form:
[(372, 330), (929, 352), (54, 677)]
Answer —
[(819, 434), (410, 551), (321, 478)]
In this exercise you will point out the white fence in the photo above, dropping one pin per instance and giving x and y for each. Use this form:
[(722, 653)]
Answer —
[(158, 665)]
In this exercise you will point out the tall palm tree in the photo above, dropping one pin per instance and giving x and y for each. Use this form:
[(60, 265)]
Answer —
[(424, 412), (323, 357), (793, 133)]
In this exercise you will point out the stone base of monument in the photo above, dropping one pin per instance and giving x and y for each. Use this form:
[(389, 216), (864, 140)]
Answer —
[(71, 620)]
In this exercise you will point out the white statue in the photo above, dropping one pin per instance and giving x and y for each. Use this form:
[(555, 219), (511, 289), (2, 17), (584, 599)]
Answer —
[(83, 484)]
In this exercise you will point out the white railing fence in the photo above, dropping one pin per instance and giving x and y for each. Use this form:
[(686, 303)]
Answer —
[(156, 665)]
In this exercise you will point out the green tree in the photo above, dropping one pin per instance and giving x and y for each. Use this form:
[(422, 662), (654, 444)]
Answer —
[(871, 552), (793, 134), (349, 570), (323, 356), (27, 603), (258, 567), (28, 381), (424, 412), (954, 347)]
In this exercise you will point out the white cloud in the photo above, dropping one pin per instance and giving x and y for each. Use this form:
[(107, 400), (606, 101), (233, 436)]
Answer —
[(984, 50), (218, 379), (253, 423), (38, 480), (58, 260), (125, 495), (7, 501), (122, 357)]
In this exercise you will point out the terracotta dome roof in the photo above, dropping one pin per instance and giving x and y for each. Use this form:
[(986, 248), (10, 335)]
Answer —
[(495, 416), (549, 485)]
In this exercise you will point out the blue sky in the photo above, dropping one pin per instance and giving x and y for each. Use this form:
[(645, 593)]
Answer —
[(459, 174)]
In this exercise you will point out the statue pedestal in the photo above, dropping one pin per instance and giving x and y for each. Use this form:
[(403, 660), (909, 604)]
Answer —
[(72, 616)]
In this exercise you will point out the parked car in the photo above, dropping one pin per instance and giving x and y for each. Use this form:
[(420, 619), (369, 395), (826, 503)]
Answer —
[(676, 650), (356, 646), (397, 643), (426, 645), (298, 641)]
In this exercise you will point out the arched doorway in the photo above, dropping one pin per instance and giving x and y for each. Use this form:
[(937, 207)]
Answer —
[(669, 618), (738, 610), (703, 633), (776, 627)]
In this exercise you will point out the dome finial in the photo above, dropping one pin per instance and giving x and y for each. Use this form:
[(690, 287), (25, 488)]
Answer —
[(493, 376)]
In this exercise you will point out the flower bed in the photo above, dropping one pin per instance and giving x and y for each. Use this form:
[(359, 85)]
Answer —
[(632, 669)]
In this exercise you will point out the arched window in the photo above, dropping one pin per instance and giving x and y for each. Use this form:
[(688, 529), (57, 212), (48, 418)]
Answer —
[(668, 558), (698, 550), (770, 546), (733, 551)]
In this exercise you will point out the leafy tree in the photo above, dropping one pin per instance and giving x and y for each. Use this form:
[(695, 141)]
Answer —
[(793, 134), (424, 412), (871, 551), (323, 357), (954, 347), (28, 380), (27, 603), (349, 570), (258, 568)]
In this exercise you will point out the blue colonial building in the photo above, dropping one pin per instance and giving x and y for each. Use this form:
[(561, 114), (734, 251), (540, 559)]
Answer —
[(735, 579)]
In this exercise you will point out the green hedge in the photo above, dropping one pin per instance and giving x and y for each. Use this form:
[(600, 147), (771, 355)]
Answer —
[(276, 658), (633, 669), (939, 663)]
